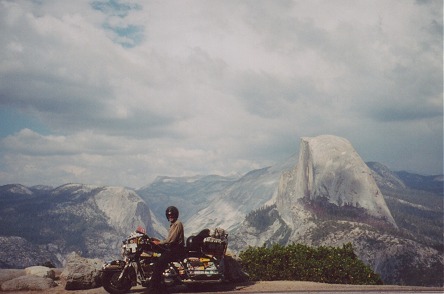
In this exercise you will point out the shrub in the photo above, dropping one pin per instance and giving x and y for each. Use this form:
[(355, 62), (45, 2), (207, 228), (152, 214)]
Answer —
[(299, 262)]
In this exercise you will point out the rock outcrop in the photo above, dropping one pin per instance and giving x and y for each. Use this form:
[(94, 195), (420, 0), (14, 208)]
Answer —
[(9, 274), (81, 273), (330, 172), (40, 271), (124, 209), (331, 198), (29, 279), (28, 283)]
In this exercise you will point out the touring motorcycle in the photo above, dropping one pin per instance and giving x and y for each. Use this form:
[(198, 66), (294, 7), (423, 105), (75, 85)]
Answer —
[(203, 262)]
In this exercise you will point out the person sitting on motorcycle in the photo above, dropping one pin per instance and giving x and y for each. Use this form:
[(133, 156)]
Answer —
[(174, 245)]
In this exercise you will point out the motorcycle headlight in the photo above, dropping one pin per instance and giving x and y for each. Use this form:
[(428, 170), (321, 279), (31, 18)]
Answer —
[(131, 248)]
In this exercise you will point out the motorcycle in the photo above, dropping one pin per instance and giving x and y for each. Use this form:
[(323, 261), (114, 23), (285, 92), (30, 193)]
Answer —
[(203, 262)]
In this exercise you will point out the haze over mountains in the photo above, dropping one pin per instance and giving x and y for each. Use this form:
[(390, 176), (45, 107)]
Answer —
[(326, 195)]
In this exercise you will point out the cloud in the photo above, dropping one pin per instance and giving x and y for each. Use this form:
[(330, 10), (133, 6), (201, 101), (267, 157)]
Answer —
[(118, 92), (29, 142)]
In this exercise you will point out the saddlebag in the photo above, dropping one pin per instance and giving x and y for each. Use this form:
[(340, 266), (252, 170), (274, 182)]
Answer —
[(214, 246), (202, 269), (209, 242)]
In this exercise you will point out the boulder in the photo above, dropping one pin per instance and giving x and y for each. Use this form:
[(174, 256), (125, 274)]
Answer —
[(28, 282), (9, 274), (233, 270), (40, 271), (81, 273)]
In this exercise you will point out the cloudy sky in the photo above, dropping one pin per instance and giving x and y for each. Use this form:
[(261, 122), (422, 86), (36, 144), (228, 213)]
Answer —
[(116, 92)]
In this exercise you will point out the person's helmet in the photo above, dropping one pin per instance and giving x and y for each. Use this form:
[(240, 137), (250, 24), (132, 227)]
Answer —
[(172, 210)]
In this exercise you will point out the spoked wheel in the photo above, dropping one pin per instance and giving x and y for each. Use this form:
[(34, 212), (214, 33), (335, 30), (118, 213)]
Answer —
[(111, 283)]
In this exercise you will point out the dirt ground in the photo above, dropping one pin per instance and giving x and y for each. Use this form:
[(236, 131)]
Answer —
[(257, 287)]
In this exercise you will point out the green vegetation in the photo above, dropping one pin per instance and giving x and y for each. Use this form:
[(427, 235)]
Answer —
[(303, 263), (263, 217)]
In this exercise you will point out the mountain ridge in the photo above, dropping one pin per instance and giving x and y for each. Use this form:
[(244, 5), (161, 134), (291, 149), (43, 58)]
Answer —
[(244, 205)]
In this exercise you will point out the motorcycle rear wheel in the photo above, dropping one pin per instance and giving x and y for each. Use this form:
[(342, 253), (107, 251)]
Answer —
[(112, 285)]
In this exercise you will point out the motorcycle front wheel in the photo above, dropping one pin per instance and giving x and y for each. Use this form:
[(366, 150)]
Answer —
[(111, 283)]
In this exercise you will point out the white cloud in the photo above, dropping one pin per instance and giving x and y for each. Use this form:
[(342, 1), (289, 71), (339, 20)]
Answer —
[(129, 90)]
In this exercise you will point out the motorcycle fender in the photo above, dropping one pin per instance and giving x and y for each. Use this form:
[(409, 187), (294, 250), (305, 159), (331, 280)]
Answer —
[(114, 265)]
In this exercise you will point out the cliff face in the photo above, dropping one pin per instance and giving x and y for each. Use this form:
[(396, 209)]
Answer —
[(126, 210), (331, 197), (330, 172)]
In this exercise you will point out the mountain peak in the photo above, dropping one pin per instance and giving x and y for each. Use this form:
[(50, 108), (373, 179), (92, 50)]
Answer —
[(330, 172), (15, 189)]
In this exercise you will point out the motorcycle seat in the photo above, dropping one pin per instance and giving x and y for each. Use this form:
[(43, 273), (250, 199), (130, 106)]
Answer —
[(194, 243)]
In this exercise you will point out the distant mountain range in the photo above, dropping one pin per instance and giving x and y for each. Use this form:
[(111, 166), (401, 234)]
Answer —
[(325, 195)]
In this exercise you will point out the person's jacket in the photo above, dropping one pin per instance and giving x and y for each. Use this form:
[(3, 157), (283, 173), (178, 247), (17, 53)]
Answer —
[(175, 239)]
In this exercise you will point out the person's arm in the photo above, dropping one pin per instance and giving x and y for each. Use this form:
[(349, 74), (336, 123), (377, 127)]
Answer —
[(155, 240)]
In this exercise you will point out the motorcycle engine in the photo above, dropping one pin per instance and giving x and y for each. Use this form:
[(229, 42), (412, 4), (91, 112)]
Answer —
[(147, 266)]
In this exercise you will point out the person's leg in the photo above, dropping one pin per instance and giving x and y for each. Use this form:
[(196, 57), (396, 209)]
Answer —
[(159, 267)]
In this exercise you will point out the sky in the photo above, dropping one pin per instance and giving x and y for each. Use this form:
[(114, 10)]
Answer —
[(119, 92)]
